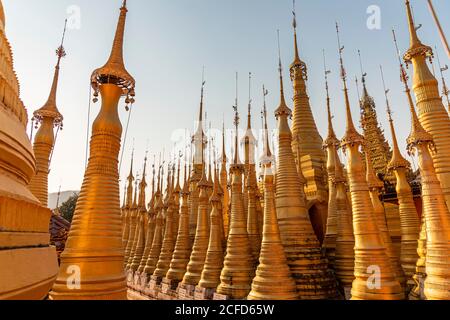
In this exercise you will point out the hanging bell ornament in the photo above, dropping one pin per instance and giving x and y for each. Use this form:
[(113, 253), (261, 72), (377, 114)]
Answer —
[(95, 100)]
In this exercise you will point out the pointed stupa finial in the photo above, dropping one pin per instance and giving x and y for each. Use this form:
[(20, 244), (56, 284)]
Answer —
[(351, 135), (143, 183), (210, 146), (236, 123), (294, 25), (199, 138), (50, 109), (178, 184), (397, 160), (416, 46), (418, 133), (249, 115), (144, 171), (224, 152), (135, 198), (153, 175), (130, 176), (249, 137), (363, 75), (414, 39), (160, 167), (331, 139), (202, 95), (114, 71), (267, 152), (445, 89), (283, 109)]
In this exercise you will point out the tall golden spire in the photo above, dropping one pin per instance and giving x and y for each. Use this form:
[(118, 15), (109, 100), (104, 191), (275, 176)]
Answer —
[(307, 142), (140, 233), (182, 251), (375, 142), (409, 219), (130, 180), (330, 144), (273, 280), (114, 71), (302, 248), (48, 117), (445, 89), (250, 186), (168, 244), (28, 268), (199, 142), (200, 246), (151, 222), (432, 114), (439, 27), (376, 187), (435, 211), (133, 220), (368, 241), (104, 279), (210, 277), (344, 262), (239, 267), (224, 185), (155, 251)]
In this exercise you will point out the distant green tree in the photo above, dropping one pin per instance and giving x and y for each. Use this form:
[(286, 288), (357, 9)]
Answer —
[(67, 209)]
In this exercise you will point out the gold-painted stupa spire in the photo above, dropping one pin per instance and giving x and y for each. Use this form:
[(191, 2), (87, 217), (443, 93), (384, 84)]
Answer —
[(139, 247), (29, 263), (344, 262), (273, 280), (155, 251), (435, 211), (182, 251), (199, 142), (370, 250), (330, 144), (224, 185), (301, 245), (48, 117), (151, 223), (239, 266), (376, 187), (200, 246), (99, 199), (129, 250), (210, 277), (127, 207), (375, 142), (445, 89), (169, 234), (409, 219), (249, 142), (176, 194), (432, 114), (307, 142)]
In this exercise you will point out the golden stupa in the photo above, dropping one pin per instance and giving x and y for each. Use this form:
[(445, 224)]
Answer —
[(24, 221), (102, 278), (309, 229)]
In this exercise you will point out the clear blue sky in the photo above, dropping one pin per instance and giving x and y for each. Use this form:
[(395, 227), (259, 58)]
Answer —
[(168, 42)]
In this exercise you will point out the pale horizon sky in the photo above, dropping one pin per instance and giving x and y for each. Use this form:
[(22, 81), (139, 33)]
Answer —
[(168, 42)]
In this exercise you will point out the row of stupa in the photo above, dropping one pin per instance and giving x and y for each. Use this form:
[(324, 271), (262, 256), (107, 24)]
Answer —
[(221, 235)]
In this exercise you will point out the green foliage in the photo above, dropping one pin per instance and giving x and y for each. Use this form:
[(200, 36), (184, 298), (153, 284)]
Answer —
[(67, 209)]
